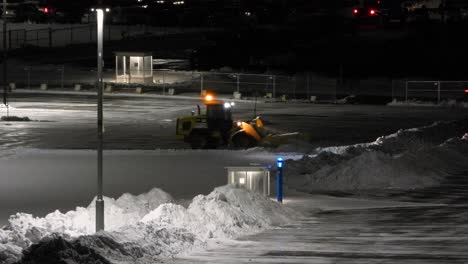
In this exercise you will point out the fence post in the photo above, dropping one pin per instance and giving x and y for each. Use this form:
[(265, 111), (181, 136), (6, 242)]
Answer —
[(406, 91), (28, 76), (274, 86), (25, 37), (201, 83), (91, 33), (164, 82), (294, 87), (9, 38), (50, 37), (393, 85), (238, 88), (438, 92), (129, 77), (62, 76)]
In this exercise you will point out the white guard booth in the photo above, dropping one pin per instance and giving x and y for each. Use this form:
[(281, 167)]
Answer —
[(134, 67), (253, 178)]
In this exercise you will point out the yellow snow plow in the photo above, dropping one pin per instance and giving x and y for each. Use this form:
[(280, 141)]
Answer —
[(216, 128)]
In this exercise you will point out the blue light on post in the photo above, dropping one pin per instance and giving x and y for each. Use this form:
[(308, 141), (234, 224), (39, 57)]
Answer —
[(279, 180)]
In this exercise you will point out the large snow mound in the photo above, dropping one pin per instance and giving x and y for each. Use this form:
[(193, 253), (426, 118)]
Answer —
[(408, 159), (225, 213), (23, 229), (141, 229)]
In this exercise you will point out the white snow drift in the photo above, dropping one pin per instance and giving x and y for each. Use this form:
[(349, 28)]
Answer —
[(145, 227), (418, 103), (408, 159)]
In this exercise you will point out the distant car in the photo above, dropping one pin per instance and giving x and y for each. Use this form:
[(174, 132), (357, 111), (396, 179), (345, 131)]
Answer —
[(378, 12), (10, 13), (28, 12), (369, 11)]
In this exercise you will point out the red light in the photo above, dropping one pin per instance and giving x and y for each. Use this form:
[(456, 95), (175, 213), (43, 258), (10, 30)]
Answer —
[(46, 10), (355, 11), (372, 12), (466, 90)]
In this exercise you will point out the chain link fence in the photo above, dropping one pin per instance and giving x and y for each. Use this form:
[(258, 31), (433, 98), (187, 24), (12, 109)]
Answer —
[(435, 90), (62, 35), (174, 82), (304, 86)]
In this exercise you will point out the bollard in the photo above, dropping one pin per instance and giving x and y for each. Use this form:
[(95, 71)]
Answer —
[(77, 87), (237, 95), (171, 91), (279, 180), (12, 86), (109, 88), (139, 90), (43, 86)]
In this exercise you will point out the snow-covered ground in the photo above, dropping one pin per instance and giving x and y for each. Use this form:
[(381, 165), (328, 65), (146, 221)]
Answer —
[(147, 227), (444, 103), (68, 121), (159, 224)]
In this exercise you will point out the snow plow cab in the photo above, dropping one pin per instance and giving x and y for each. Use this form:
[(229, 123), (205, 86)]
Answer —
[(216, 128)]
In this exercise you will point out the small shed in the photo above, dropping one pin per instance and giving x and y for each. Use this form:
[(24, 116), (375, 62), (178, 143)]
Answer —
[(134, 67), (253, 178)]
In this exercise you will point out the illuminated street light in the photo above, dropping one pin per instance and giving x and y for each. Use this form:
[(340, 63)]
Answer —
[(100, 200), (5, 55)]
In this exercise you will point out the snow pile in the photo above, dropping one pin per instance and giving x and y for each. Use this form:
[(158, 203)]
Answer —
[(226, 212), (23, 229), (444, 103), (141, 229), (408, 159), (15, 119)]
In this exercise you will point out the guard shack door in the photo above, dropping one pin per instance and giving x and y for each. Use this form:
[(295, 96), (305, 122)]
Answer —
[(134, 67)]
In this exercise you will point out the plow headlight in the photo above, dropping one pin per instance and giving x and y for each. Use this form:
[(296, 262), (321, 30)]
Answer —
[(209, 97), (239, 123)]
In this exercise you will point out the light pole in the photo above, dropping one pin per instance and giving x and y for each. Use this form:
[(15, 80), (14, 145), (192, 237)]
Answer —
[(100, 136), (5, 85)]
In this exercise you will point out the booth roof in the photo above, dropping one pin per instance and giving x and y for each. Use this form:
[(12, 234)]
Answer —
[(133, 53), (247, 168)]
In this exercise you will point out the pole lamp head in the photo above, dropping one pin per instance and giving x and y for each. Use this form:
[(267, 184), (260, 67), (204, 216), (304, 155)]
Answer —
[(104, 9), (279, 163)]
